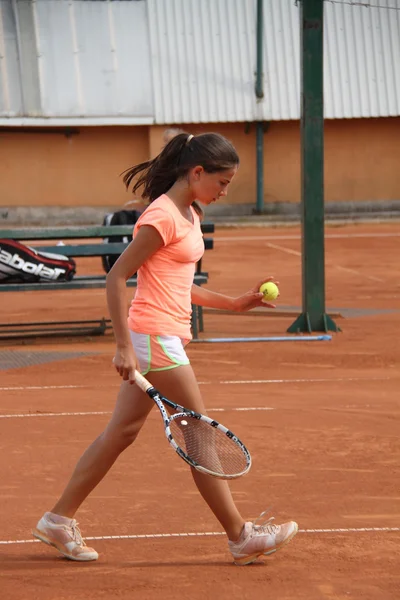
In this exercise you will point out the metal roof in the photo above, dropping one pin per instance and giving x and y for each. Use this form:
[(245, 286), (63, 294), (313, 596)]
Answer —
[(78, 60), (188, 61), (203, 60), (204, 57), (362, 59)]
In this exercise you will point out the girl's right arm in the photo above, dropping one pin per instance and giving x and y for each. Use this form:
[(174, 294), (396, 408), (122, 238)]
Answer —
[(146, 242)]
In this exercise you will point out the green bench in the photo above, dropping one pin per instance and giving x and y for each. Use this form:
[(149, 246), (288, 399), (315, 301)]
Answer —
[(83, 242)]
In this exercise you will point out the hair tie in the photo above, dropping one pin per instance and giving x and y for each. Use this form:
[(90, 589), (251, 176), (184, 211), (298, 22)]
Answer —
[(190, 137)]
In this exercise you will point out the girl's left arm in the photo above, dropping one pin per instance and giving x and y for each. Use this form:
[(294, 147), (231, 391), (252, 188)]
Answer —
[(204, 297)]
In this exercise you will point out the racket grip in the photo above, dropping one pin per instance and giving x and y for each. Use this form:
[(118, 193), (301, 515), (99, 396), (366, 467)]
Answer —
[(142, 382)]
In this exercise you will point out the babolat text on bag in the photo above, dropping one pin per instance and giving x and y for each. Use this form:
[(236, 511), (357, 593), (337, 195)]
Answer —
[(20, 263)]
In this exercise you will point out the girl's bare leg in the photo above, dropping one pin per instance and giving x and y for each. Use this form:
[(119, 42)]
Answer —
[(180, 386), (130, 412)]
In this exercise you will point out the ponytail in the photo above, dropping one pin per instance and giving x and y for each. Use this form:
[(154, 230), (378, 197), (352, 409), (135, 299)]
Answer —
[(158, 175), (210, 150)]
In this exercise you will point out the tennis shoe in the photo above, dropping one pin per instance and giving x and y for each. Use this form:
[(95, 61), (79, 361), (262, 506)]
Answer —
[(258, 540), (64, 534)]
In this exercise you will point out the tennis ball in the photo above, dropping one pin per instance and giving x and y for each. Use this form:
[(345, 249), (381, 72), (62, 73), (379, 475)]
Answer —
[(270, 291)]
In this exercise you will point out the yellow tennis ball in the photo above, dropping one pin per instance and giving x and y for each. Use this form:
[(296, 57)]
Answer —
[(270, 291)]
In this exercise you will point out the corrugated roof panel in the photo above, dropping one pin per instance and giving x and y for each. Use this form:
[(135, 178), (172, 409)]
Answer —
[(183, 61), (10, 82), (362, 58), (204, 55), (201, 60), (59, 72), (92, 58), (281, 60)]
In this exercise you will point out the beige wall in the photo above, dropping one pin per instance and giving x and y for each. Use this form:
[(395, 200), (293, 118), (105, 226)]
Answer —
[(362, 159), (49, 169)]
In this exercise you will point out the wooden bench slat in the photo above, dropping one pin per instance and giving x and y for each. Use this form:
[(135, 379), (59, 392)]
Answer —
[(84, 250), (78, 282), (59, 233), (87, 250)]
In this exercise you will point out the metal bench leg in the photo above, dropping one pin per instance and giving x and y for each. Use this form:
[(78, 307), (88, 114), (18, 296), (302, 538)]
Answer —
[(200, 317), (195, 329)]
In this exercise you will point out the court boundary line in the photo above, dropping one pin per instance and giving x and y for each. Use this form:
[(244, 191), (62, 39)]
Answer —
[(332, 236), (140, 536), (109, 412), (339, 267), (222, 382)]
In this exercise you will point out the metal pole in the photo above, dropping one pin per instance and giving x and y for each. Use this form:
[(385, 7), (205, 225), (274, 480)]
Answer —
[(259, 73), (259, 125), (260, 167)]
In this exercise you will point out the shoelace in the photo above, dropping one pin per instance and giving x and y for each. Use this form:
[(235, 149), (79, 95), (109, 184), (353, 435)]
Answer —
[(76, 534), (266, 526)]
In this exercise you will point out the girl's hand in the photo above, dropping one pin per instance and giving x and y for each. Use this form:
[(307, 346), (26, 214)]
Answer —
[(125, 363), (253, 298)]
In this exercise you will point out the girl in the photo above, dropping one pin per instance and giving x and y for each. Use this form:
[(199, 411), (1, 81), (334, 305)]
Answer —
[(167, 244)]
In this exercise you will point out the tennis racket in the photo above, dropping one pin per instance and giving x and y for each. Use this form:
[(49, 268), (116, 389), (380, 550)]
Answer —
[(203, 443)]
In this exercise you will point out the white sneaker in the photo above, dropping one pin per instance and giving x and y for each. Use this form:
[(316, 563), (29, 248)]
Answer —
[(66, 537), (257, 540)]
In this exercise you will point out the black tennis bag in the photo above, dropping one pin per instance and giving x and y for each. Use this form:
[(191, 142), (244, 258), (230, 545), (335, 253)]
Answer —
[(120, 217), (22, 264)]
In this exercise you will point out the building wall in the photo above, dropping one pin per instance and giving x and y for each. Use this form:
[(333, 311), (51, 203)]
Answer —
[(362, 159), (50, 169)]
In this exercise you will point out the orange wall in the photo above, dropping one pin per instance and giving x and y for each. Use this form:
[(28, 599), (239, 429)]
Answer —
[(362, 158), (49, 169)]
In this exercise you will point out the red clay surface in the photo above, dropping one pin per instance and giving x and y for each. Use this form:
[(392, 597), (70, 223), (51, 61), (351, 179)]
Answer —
[(327, 455)]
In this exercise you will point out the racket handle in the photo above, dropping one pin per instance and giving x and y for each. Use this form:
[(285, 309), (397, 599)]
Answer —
[(142, 382)]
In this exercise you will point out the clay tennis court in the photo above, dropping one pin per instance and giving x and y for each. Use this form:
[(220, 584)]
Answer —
[(321, 419)]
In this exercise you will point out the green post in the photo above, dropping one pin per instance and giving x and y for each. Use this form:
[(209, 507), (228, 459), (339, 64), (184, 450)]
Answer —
[(259, 49), (260, 167), (313, 317)]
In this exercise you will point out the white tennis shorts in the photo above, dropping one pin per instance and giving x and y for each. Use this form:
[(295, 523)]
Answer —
[(159, 352)]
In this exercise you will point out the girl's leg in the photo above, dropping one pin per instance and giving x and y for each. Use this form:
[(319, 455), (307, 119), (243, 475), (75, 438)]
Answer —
[(180, 386), (130, 412), (247, 541)]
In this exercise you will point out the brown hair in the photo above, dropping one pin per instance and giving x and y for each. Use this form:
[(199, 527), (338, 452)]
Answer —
[(210, 150)]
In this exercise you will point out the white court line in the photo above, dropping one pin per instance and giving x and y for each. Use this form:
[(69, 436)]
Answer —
[(61, 414), (296, 253), (332, 236), (30, 388), (354, 272), (339, 267), (283, 249), (270, 381), (109, 412), (207, 534)]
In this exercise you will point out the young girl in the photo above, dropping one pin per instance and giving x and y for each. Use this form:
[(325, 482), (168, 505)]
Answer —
[(167, 244)]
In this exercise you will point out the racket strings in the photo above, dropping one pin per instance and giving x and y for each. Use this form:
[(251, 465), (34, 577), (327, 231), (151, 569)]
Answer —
[(208, 446)]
